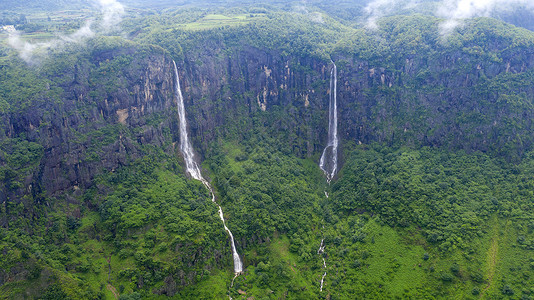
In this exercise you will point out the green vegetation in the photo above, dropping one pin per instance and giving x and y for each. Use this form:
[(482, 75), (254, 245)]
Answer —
[(268, 196), (290, 33), (150, 227), (435, 201), (216, 21), (469, 213)]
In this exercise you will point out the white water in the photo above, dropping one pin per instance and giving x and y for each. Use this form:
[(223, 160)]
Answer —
[(194, 170), (324, 275), (322, 253), (328, 162), (321, 247)]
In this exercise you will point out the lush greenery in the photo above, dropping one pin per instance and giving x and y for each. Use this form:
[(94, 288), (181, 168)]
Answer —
[(152, 223), (452, 223), (436, 203)]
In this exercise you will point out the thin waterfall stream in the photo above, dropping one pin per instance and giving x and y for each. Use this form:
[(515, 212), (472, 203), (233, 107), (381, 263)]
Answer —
[(193, 168), (328, 162), (322, 253)]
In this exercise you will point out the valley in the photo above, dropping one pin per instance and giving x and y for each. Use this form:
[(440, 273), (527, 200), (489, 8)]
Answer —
[(266, 151)]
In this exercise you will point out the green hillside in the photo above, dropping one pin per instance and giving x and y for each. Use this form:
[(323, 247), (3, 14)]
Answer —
[(432, 198)]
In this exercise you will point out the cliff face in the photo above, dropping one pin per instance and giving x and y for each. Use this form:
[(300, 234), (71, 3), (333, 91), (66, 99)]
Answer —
[(454, 99), (117, 106), (94, 127), (457, 100), (221, 87)]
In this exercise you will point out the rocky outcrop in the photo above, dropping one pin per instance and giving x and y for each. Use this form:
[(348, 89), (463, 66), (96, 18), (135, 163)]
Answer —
[(449, 98), (250, 81), (94, 128)]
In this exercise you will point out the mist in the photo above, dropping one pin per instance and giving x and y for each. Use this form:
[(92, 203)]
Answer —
[(457, 10), (380, 8), (111, 12), (453, 11)]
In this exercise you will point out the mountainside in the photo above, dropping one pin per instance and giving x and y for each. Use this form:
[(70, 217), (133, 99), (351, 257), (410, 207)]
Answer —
[(77, 113), (433, 199), (401, 85)]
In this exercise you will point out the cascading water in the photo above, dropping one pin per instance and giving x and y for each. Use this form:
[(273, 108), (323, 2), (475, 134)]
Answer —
[(328, 162), (322, 253), (194, 170)]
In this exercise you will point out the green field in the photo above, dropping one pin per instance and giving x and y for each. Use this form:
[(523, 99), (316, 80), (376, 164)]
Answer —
[(215, 21)]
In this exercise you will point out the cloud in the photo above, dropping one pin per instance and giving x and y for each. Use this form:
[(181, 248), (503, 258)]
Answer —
[(301, 9), (83, 33), (32, 53), (453, 11), (317, 17), (376, 10), (26, 50), (380, 8), (457, 10), (112, 14)]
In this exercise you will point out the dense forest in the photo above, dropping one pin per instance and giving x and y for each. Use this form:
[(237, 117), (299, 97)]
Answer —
[(432, 200)]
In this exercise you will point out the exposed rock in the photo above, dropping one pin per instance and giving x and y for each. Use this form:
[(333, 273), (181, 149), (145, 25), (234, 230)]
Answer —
[(123, 115)]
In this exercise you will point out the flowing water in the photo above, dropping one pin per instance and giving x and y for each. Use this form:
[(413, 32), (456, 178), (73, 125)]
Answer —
[(328, 162), (193, 168), (322, 253), (324, 275)]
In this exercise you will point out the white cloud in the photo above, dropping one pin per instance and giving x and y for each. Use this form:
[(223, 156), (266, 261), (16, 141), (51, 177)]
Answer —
[(26, 50), (380, 8), (112, 12), (457, 10), (454, 11), (301, 9), (317, 17), (32, 52), (80, 34), (376, 10)]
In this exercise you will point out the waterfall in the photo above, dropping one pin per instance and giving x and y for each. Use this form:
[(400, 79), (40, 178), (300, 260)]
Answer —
[(328, 162), (321, 252), (324, 275), (193, 168)]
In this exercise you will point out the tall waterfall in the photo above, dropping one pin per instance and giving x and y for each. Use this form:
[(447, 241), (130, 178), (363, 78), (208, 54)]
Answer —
[(328, 162), (194, 170)]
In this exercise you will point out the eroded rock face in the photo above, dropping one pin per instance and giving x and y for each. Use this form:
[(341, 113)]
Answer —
[(442, 99), (423, 100), (249, 81), (94, 128)]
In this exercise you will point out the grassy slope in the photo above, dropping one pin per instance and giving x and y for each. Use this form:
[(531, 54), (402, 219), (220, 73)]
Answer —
[(493, 263)]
